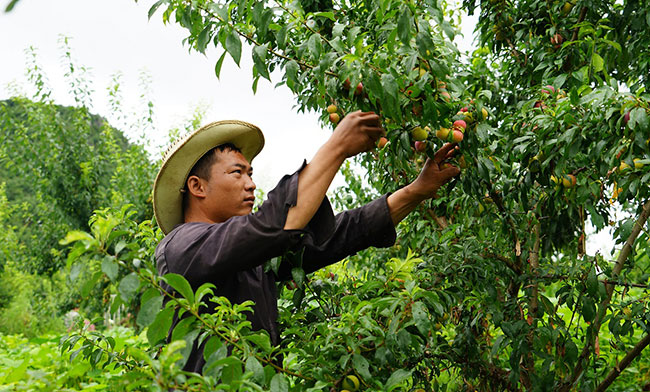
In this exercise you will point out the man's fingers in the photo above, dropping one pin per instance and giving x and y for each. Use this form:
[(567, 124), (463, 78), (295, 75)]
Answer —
[(441, 154)]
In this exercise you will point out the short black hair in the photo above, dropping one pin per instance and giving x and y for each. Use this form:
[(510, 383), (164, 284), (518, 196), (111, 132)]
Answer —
[(202, 167)]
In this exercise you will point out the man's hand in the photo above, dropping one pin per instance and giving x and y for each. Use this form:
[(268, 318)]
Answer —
[(435, 173), (357, 132)]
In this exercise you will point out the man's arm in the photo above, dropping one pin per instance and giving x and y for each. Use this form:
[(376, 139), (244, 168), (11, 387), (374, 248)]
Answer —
[(434, 174), (357, 132)]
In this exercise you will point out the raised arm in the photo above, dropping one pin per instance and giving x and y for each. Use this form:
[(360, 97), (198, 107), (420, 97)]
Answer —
[(434, 174), (357, 132)]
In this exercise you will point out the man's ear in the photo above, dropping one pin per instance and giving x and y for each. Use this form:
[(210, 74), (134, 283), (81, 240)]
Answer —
[(196, 187)]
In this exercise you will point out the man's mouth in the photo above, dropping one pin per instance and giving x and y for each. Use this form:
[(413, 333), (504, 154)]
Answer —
[(250, 198)]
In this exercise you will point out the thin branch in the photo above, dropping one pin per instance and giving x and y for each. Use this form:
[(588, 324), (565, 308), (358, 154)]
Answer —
[(629, 357), (618, 267)]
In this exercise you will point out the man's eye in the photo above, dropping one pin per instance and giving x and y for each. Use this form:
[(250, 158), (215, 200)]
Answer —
[(237, 171)]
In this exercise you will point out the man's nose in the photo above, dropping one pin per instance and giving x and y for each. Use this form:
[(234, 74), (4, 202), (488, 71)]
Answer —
[(250, 184)]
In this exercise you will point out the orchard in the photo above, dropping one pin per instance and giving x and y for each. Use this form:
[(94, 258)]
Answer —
[(493, 285)]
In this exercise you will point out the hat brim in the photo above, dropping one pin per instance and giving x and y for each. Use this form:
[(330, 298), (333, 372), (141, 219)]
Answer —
[(183, 155)]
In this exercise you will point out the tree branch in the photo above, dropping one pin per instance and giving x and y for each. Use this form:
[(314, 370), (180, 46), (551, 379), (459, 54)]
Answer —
[(629, 357), (618, 267)]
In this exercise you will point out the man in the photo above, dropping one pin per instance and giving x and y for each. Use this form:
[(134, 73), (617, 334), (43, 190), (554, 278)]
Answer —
[(203, 198)]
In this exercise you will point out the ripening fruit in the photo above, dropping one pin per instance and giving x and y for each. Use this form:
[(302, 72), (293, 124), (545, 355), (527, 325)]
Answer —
[(351, 383), (567, 7), (332, 109), (637, 164), (623, 166), (569, 181), (557, 40), (442, 133), (419, 133), (548, 89), (335, 118), (382, 142), (420, 146), (457, 136), (460, 125), (359, 89), (445, 95)]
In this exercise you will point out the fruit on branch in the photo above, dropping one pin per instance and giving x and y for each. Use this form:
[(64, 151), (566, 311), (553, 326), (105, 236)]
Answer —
[(556, 40), (332, 109), (419, 133), (567, 7), (626, 118), (464, 109), (462, 163), (484, 112), (347, 84), (637, 164), (442, 133), (335, 118), (445, 95), (359, 89), (350, 383), (548, 89), (460, 125), (569, 181), (382, 142), (420, 146), (457, 136)]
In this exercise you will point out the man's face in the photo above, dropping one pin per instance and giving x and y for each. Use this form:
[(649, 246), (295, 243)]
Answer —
[(230, 190)]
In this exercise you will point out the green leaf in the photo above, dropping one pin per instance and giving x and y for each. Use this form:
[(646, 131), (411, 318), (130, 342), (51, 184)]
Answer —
[(254, 366), (390, 85), (421, 318), (298, 275), (314, 45), (110, 268), (425, 45), (404, 26), (592, 282), (217, 66), (154, 7), (149, 310), (397, 378), (279, 383), (203, 39), (588, 309), (361, 366), (159, 329), (233, 46), (260, 339), (259, 60), (597, 62), (326, 14), (128, 286), (180, 284)]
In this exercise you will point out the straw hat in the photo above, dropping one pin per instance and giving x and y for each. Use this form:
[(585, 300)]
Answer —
[(183, 155)]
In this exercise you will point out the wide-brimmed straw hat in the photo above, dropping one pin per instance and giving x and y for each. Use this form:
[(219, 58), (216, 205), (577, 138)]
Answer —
[(183, 155)]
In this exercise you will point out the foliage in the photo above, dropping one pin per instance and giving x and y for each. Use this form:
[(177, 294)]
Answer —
[(59, 164)]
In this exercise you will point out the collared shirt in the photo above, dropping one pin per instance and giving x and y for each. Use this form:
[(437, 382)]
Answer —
[(231, 254)]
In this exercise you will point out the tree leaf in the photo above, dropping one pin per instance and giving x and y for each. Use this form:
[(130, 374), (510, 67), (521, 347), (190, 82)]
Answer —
[(361, 366), (128, 286), (110, 268), (149, 310), (404, 26), (217, 66), (279, 383), (259, 60), (233, 46), (597, 62), (254, 366), (154, 7), (159, 329), (180, 284), (397, 378)]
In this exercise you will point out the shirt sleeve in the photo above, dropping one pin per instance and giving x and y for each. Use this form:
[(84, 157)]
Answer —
[(344, 235), (204, 252)]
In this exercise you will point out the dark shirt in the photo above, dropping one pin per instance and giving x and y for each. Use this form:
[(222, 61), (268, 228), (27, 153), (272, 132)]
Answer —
[(231, 254)]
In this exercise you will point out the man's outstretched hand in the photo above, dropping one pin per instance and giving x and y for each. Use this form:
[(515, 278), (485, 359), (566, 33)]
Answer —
[(435, 174), (357, 132)]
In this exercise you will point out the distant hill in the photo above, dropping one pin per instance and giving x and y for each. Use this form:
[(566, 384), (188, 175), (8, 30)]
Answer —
[(59, 164)]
